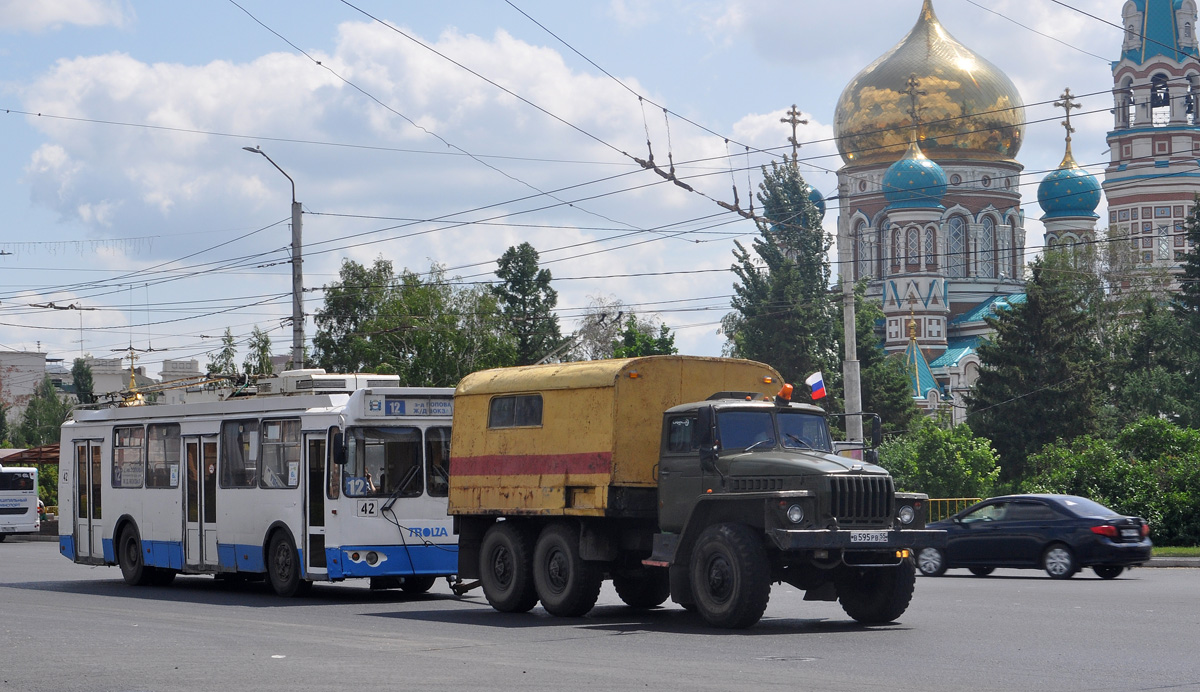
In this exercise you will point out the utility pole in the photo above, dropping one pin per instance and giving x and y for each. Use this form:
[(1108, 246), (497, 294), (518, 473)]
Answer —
[(297, 269)]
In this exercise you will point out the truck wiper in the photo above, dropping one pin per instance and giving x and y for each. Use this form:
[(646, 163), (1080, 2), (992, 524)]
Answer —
[(760, 443), (800, 440)]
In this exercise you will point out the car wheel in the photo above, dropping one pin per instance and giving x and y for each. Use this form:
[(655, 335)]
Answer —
[(1108, 571), (1059, 562), (982, 571), (731, 578), (506, 568), (283, 565), (931, 562), (133, 566), (567, 585)]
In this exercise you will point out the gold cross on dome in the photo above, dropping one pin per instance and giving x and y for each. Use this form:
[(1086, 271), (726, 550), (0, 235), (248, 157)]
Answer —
[(793, 119), (1067, 103)]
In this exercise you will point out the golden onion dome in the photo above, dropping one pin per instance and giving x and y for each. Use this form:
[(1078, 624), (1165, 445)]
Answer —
[(969, 109)]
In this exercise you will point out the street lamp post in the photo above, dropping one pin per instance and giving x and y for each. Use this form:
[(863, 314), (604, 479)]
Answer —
[(297, 271)]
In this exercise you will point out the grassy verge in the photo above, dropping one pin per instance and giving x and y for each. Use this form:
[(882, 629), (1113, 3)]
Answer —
[(1172, 551)]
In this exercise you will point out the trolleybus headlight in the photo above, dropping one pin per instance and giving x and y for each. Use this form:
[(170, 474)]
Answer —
[(795, 514), (906, 514), (372, 558)]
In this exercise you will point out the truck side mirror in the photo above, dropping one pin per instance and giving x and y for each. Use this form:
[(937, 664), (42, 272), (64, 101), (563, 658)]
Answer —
[(876, 430), (871, 456), (339, 449), (705, 421)]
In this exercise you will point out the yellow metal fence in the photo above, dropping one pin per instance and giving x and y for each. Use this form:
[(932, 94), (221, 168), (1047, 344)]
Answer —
[(940, 508)]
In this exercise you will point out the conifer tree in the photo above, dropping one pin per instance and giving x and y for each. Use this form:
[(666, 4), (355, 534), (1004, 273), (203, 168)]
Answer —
[(1039, 378), (783, 314), (527, 303)]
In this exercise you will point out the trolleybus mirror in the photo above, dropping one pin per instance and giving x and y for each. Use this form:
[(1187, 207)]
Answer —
[(339, 449)]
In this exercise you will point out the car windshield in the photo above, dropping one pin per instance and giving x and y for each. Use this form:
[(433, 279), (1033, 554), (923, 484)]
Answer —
[(804, 431), (1083, 507)]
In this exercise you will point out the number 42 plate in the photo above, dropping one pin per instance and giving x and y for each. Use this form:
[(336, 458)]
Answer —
[(868, 536)]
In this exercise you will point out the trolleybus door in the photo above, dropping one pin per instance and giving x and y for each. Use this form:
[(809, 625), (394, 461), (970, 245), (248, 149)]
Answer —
[(89, 529), (200, 495), (316, 447)]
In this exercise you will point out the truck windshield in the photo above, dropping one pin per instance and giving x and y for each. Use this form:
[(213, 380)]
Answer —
[(804, 431), (742, 429)]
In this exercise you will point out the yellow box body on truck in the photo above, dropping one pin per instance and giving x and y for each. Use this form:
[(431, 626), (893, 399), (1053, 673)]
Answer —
[(556, 439)]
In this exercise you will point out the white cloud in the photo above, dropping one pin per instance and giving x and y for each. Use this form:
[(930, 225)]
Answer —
[(41, 15)]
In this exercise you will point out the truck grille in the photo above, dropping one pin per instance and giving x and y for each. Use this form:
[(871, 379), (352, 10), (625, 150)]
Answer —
[(861, 500), (753, 484)]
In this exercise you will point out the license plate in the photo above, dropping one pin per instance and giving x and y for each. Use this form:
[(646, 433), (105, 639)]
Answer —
[(868, 536), (1130, 533)]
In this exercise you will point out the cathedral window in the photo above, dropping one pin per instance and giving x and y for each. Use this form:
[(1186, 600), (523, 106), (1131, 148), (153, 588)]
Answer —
[(956, 247), (913, 256), (1164, 242), (987, 249), (896, 250), (1187, 29), (864, 251), (930, 248), (1004, 246)]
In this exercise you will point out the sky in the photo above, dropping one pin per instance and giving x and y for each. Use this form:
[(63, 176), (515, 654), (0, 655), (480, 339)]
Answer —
[(442, 132)]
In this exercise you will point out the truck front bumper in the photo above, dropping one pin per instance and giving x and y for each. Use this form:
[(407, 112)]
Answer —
[(857, 540)]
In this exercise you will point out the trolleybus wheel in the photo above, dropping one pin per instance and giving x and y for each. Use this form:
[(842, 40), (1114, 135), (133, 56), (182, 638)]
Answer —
[(283, 565), (133, 566), (417, 584)]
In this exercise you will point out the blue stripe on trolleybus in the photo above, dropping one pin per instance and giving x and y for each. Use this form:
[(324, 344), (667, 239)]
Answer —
[(391, 560)]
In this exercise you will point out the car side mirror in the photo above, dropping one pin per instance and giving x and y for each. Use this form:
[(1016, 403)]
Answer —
[(339, 449)]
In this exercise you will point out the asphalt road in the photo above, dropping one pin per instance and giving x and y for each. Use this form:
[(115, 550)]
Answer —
[(71, 627)]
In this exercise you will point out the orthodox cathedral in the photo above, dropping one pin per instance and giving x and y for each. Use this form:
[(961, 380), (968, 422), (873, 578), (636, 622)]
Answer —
[(930, 198)]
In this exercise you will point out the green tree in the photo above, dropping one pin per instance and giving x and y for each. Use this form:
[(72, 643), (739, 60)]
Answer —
[(599, 329), (944, 463), (885, 386), (782, 311), (224, 362), (1039, 378), (1186, 306), (81, 375), (42, 417), (527, 304), (5, 431), (638, 339), (432, 334), (258, 360), (1148, 376), (341, 343)]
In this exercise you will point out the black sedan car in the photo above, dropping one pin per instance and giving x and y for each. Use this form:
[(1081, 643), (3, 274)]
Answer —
[(1058, 533)]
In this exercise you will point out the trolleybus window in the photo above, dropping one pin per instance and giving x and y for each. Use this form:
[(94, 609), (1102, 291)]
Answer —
[(335, 470), (384, 462), (437, 460), (128, 464), (162, 455), (239, 454), (280, 454)]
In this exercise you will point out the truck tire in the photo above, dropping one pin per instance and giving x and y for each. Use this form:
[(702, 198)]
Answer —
[(642, 587), (731, 579), (133, 563), (567, 584), (506, 568), (875, 595)]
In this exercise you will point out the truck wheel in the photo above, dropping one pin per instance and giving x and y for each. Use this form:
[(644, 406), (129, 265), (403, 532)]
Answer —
[(874, 595), (731, 580), (283, 565), (642, 587), (506, 568), (133, 565), (567, 584)]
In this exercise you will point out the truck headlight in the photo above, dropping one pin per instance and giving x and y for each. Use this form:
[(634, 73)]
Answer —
[(906, 514), (795, 514)]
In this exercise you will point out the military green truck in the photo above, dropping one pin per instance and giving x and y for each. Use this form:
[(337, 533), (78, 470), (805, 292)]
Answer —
[(674, 476)]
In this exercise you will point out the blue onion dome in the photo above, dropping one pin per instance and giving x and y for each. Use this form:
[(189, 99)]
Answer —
[(1069, 191), (818, 201), (914, 182)]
